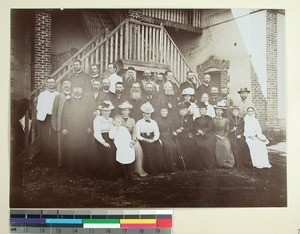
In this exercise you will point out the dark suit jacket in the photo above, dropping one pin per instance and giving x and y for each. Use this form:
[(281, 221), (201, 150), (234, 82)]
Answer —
[(57, 111)]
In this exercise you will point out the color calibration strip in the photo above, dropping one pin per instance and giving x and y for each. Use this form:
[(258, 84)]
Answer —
[(91, 221)]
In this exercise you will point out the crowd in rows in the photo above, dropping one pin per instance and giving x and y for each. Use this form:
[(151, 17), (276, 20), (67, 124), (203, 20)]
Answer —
[(135, 126)]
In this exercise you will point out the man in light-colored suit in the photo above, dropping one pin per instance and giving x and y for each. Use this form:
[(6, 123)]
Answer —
[(58, 106)]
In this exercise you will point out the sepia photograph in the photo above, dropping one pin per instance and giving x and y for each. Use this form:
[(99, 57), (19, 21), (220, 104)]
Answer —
[(131, 108)]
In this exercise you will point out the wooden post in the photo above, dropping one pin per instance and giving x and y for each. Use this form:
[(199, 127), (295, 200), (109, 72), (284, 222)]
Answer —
[(102, 63), (121, 41), (127, 41), (116, 45), (111, 49), (160, 43), (143, 43), (106, 55), (138, 35), (148, 52)]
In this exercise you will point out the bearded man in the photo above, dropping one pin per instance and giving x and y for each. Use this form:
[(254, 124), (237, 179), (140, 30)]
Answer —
[(129, 79), (169, 98), (135, 99)]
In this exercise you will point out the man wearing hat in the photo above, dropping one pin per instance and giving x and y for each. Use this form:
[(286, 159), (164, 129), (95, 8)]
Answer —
[(244, 103), (147, 132)]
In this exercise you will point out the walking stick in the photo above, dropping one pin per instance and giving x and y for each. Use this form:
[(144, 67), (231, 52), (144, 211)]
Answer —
[(180, 153), (59, 148)]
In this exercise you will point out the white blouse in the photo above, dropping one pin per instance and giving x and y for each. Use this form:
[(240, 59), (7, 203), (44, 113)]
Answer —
[(145, 127), (101, 125), (252, 126)]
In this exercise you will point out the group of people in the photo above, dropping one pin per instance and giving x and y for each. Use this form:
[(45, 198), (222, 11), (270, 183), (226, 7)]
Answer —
[(133, 127)]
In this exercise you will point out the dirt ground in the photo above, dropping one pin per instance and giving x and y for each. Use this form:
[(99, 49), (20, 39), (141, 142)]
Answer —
[(248, 187)]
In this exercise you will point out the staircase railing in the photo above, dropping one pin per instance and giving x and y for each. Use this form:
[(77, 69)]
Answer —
[(131, 40)]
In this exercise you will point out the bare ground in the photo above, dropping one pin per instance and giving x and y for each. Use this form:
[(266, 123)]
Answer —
[(55, 187)]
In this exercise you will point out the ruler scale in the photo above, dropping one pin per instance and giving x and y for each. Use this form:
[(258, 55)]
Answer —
[(91, 221)]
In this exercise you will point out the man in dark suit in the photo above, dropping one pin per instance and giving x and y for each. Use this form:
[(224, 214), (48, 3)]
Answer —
[(214, 97), (118, 98), (76, 128), (79, 78), (104, 93), (203, 88), (190, 82), (93, 97)]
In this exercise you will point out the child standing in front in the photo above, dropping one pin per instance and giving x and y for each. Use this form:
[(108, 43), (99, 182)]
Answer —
[(125, 151)]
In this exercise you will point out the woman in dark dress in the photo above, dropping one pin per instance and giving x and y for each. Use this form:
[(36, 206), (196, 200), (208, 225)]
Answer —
[(236, 137), (106, 164), (224, 155), (147, 132), (205, 138), (183, 132), (169, 147)]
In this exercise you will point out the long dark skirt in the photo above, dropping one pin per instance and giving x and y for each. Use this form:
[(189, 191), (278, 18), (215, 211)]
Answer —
[(106, 165), (240, 151), (206, 146), (224, 155), (152, 157), (170, 151), (187, 150)]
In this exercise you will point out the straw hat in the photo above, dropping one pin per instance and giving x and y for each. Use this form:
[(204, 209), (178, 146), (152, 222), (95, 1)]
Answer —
[(147, 108), (188, 91), (106, 105), (243, 90), (218, 106), (125, 105), (261, 137)]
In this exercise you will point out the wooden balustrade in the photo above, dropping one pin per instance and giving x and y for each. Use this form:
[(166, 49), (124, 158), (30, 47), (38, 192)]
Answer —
[(187, 17)]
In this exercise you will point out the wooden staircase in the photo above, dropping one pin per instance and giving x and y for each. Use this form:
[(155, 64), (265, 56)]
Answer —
[(130, 43)]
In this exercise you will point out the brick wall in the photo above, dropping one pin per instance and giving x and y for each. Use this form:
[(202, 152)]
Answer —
[(271, 56), (212, 62), (258, 99), (42, 47)]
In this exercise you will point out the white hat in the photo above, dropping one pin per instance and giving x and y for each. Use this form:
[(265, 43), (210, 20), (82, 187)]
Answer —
[(106, 105), (188, 91), (261, 137), (147, 108), (125, 105)]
